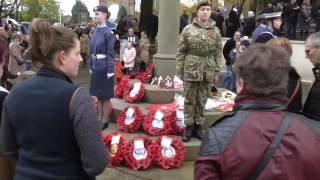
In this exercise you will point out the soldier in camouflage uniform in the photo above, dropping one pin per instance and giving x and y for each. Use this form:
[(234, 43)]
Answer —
[(198, 65)]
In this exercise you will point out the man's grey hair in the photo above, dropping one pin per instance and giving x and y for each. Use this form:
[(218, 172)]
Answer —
[(314, 40)]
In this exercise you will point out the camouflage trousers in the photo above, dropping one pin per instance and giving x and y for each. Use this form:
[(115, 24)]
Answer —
[(196, 95)]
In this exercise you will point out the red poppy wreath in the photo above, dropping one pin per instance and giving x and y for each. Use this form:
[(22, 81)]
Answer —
[(130, 119), (139, 153), (169, 152), (121, 86), (134, 92), (116, 145), (146, 76), (159, 122)]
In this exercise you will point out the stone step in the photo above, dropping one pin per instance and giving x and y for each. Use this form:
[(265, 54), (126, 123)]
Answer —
[(192, 147), (120, 104), (156, 95), (186, 172)]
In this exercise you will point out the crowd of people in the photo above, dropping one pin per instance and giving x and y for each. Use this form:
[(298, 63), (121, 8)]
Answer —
[(297, 19), (269, 134), (268, 113)]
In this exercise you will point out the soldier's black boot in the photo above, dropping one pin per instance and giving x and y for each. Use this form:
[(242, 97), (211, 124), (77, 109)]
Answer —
[(187, 134), (198, 132)]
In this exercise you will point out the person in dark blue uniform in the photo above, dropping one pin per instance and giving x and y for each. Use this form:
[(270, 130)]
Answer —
[(271, 23), (102, 64)]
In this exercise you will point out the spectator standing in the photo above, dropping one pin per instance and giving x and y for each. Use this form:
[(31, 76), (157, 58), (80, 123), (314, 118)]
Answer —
[(233, 23), (7, 166), (286, 145), (249, 24), (16, 63), (144, 51), (55, 135), (304, 20), (267, 30), (312, 49), (228, 47), (129, 57), (269, 9), (131, 37), (291, 12), (316, 16), (219, 19), (294, 83), (84, 43), (184, 20)]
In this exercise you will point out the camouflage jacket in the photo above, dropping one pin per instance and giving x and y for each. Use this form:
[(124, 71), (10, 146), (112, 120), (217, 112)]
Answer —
[(199, 52)]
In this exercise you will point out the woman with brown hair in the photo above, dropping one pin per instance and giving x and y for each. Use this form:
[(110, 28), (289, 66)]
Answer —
[(294, 84), (49, 125)]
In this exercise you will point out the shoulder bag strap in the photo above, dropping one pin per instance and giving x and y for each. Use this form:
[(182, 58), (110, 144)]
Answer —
[(272, 148)]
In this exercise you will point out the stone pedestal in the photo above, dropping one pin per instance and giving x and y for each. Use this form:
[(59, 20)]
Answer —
[(167, 37)]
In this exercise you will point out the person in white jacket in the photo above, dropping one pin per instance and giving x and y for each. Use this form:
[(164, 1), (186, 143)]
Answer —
[(128, 58)]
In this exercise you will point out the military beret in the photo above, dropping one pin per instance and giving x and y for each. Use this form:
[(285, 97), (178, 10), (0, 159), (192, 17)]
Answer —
[(203, 3), (101, 8)]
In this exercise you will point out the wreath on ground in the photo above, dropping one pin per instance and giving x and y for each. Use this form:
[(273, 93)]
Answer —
[(169, 152), (159, 122), (130, 119), (134, 92), (145, 77), (116, 145), (139, 153), (121, 86)]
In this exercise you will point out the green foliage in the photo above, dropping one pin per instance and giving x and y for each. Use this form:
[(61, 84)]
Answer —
[(76, 12), (40, 9), (50, 10)]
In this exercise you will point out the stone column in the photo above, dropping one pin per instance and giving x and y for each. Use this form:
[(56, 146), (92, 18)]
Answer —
[(131, 7), (167, 37)]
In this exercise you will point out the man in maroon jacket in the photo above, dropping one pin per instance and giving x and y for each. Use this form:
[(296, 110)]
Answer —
[(239, 145)]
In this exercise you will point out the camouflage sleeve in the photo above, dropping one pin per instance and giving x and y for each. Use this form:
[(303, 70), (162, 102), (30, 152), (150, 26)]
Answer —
[(182, 50), (218, 54)]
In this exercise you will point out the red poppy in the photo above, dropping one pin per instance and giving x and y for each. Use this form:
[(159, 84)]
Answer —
[(139, 157), (169, 155), (130, 124), (121, 86), (116, 146), (161, 125), (146, 76), (135, 98)]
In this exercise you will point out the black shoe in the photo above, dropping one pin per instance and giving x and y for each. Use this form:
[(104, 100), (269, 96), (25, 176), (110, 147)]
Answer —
[(105, 126), (187, 134), (198, 132)]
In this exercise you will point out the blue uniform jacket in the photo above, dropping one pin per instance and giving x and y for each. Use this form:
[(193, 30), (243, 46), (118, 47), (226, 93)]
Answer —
[(262, 34), (102, 43)]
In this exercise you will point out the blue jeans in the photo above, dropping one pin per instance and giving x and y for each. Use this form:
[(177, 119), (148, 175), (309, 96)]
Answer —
[(28, 66), (229, 81)]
